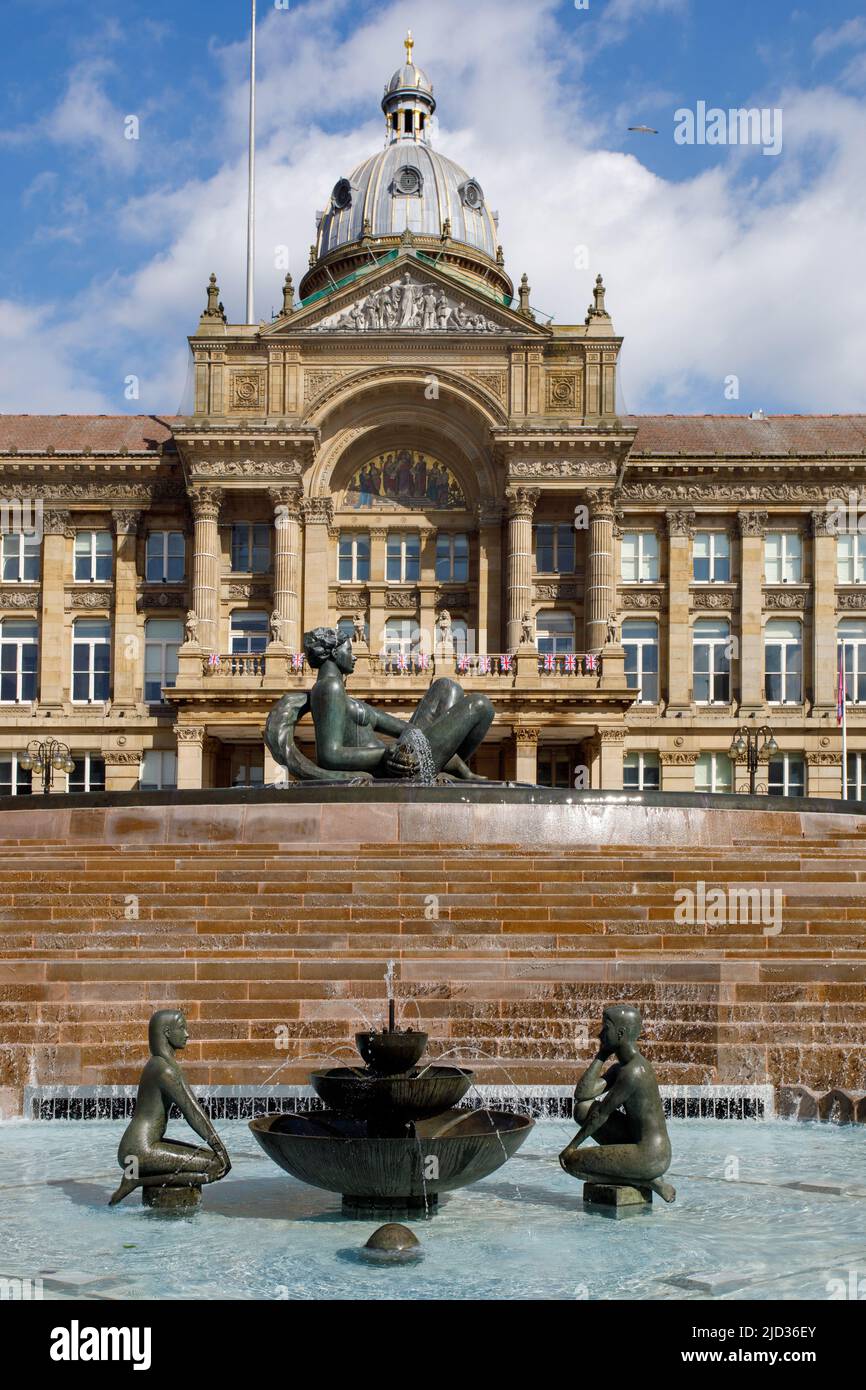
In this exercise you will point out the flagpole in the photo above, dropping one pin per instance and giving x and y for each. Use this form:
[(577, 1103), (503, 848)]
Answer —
[(251, 194), (843, 699)]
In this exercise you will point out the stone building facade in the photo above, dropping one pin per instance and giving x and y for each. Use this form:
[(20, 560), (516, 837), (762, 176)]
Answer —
[(408, 451)]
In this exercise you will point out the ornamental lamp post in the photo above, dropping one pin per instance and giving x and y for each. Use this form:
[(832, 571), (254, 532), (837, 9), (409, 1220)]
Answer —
[(47, 757), (745, 740)]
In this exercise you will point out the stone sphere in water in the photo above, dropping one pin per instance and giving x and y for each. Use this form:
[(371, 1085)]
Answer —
[(393, 1244)]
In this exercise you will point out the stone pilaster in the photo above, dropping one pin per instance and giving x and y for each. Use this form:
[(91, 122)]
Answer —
[(600, 601), (376, 588), (489, 577), (521, 505), (190, 756), (751, 656), (122, 769), (680, 526), (526, 753), (54, 658), (824, 773), (127, 653), (287, 563), (318, 515), (824, 656), (205, 503), (677, 770), (611, 745)]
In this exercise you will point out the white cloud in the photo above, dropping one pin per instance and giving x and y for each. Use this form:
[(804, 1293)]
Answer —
[(743, 269)]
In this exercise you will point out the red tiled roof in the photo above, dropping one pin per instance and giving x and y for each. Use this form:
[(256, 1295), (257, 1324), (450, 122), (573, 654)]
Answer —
[(720, 435), (110, 432), (739, 434)]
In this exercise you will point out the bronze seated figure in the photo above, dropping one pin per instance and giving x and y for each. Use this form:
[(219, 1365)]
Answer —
[(442, 734), (147, 1158), (622, 1111)]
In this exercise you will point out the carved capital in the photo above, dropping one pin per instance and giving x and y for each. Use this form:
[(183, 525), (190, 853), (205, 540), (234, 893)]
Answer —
[(126, 523), (190, 733), (205, 503), (615, 736), (680, 523), (824, 522), (318, 511), (57, 522), (115, 757), (601, 503), (668, 758), (526, 735), (522, 502), (752, 523), (824, 760), (286, 501)]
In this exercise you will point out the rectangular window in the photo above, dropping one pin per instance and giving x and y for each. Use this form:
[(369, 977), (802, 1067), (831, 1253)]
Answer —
[(640, 772), (783, 557), (403, 559), (158, 771), (554, 633), (353, 565), (20, 559), (851, 558), (711, 558), (88, 774), (555, 767), (711, 664), (401, 638), (14, 781), (249, 632), (787, 775), (91, 660), (452, 558), (165, 561), (93, 557), (19, 650), (162, 637), (640, 639), (554, 548), (640, 557), (851, 637), (251, 547), (713, 773), (856, 776), (783, 662)]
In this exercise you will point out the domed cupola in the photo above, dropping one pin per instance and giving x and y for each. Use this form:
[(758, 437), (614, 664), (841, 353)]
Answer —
[(408, 194)]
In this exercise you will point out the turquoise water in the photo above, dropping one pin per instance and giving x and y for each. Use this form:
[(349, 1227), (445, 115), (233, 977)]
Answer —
[(737, 1229)]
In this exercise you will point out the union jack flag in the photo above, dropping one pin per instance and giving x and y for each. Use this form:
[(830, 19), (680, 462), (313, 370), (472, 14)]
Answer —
[(505, 662)]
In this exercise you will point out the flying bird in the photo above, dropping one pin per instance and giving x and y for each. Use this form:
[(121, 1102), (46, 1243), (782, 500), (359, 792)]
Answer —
[(643, 129)]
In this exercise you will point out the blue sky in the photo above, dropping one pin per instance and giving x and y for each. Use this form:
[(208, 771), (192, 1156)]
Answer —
[(720, 261)]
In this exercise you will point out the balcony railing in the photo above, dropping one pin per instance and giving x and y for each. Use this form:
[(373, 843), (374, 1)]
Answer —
[(569, 664)]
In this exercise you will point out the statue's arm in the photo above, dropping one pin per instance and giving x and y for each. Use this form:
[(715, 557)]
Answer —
[(592, 1083), (603, 1109), (175, 1089), (385, 723)]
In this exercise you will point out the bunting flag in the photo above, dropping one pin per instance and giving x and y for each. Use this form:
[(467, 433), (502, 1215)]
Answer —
[(570, 661), (462, 664), (505, 662), (549, 661), (591, 662)]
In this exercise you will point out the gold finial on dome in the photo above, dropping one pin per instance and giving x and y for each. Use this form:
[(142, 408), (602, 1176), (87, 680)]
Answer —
[(409, 43)]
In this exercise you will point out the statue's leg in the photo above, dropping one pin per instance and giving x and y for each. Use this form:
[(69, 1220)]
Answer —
[(171, 1164), (629, 1164)]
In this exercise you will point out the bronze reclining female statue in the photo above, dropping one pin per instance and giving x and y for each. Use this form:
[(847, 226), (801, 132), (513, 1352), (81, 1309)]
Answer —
[(443, 733)]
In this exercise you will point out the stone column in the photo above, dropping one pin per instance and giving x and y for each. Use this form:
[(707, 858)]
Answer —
[(287, 563), (521, 505), (318, 514), (190, 749), (489, 617), (824, 655), (677, 677), (54, 657), (205, 503), (751, 664), (526, 753), (600, 601), (678, 771), (611, 744), (127, 652)]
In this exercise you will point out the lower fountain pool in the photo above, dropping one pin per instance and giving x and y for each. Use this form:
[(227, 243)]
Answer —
[(787, 1220)]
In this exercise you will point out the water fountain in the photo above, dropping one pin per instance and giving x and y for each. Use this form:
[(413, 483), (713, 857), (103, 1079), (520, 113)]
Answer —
[(392, 1136)]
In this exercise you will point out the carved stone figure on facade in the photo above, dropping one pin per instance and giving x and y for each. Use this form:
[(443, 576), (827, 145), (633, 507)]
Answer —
[(276, 626), (622, 1111), (612, 637), (446, 631), (148, 1159), (527, 629), (190, 628), (359, 623)]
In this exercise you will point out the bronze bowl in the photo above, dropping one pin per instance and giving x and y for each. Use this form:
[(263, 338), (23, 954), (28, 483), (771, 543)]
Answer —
[(336, 1153), (411, 1096), (391, 1053)]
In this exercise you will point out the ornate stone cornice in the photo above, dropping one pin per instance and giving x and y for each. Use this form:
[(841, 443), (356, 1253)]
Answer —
[(851, 599), (522, 501), (752, 523), (401, 598), (680, 523), (19, 598), (784, 599), (563, 589), (318, 511), (351, 598), (90, 598), (561, 468), (713, 599), (245, 468), (102, 490), (735, 493), (162, 598), (642, 598), (205, 503)]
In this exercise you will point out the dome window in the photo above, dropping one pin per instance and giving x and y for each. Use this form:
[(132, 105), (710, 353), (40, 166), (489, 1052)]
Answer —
[(342, 195), (471, 194), (408, 182)]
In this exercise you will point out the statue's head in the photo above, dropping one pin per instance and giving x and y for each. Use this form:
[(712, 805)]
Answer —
[(327, 644), (620, 1023), (169, 1025)]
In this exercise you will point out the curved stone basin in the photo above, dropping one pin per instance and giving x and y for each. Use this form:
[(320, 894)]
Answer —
[(335, 1152), (412, 1095)]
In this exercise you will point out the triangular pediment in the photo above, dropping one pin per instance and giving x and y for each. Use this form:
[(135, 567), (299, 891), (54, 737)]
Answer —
[(405, 297)]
